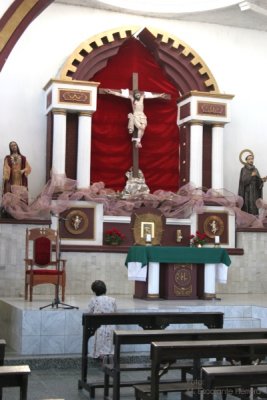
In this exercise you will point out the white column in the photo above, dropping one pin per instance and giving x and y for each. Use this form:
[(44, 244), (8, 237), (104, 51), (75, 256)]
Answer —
[(84, 150), (196, 153), (153, 280), (217, 157), (210, 281), (59, 142)]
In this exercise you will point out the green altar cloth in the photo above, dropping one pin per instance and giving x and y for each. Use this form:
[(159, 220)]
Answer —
[(180, 255)]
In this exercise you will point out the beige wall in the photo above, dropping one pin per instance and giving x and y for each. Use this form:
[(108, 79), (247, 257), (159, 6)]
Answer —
[(247, 273)]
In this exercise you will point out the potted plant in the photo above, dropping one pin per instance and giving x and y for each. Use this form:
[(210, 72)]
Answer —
[(198, 240), (113, 237)]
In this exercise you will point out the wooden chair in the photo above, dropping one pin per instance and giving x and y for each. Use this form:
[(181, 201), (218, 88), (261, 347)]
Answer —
[(42, 261)]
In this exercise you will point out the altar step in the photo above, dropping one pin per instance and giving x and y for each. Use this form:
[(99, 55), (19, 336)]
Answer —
[(31, 332), (242, 323)]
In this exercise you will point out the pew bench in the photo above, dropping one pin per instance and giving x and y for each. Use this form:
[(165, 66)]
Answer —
[(143, 391), (2, 351), (2, 357), (168, 352), (146, 320), (15, 376), (233, 379), (129, 337)]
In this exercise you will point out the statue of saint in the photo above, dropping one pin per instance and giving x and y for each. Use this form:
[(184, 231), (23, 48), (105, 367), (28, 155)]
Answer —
[(250, 184), (16, 169)]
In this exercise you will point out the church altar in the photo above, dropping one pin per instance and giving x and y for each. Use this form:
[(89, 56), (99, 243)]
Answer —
[(143, 263)]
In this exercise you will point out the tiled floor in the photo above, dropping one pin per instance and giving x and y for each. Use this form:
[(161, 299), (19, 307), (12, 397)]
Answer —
[(63, 384)]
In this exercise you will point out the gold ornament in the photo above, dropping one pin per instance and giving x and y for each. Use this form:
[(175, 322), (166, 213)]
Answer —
[(243, 152)]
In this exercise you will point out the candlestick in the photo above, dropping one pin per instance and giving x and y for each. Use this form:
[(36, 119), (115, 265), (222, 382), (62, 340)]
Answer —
[(179, 236)]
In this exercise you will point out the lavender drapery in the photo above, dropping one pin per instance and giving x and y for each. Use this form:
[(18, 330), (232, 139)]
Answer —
[(182, 204)]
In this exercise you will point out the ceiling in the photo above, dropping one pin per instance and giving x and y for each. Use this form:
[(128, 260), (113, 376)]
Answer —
[(244, 14)]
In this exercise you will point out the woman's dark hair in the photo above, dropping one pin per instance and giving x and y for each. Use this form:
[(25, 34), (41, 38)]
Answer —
[(99, 288)]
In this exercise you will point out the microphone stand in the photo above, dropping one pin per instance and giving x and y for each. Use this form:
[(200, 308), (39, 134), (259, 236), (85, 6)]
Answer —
[(56, 303)]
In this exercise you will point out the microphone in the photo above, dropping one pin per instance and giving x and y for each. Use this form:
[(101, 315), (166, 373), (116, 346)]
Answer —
[(58, 217)]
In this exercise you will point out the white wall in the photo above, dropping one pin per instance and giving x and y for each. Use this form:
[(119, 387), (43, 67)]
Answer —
[(236, 57), (4, 5)]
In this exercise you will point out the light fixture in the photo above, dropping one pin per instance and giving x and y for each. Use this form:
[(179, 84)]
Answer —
[(244, 5)]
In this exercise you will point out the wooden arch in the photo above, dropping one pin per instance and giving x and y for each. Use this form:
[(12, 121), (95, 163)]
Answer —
[(183, 66)]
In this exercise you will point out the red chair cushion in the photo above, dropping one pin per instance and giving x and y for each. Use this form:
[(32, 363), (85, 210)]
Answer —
[(42, 251), (45, 272)]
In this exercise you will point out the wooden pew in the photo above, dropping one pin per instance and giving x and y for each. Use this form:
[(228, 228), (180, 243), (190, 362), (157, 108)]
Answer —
[(2, 351), (169, 352), (146, 320), (13, 376), (129, 337), (226, 380), (2, 358)]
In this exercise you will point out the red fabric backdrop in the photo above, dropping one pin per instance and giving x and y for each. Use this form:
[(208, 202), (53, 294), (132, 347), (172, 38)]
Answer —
[(111, 142)]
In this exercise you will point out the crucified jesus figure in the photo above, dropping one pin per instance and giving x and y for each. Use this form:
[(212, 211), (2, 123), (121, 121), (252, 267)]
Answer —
[(137, 119)]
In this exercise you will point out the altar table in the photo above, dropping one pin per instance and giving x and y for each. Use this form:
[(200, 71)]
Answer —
[(143, 263)]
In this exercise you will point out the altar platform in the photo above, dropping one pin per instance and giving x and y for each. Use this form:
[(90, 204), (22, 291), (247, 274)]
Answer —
[(30, 331)]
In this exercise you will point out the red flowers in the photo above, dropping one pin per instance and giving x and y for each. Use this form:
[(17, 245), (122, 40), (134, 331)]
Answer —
[(198, 239), (113, 236)]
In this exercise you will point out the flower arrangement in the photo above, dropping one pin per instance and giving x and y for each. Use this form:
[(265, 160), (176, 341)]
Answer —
[(198, 240), (113, 236)]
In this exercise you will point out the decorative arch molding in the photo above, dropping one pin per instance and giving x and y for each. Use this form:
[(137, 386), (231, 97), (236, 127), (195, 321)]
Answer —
[(183, 66)]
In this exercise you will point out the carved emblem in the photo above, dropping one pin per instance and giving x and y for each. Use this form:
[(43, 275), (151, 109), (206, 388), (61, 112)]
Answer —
[(76, 222), (183, 280), (74, 96), (183, 277), (213, 226)]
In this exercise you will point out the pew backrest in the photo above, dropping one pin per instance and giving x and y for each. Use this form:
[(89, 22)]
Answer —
[(2, 351), (135, 337), (235, 349), (169, 352), (146, 320)]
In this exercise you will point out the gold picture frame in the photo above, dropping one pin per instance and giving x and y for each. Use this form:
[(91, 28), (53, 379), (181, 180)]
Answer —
[(148, 221), (147, 228)]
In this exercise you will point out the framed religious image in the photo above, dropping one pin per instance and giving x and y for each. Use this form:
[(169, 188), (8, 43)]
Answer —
[(147, 228), (76, 222), (80, 225), (213, 226), (147, 225), (215, 223)]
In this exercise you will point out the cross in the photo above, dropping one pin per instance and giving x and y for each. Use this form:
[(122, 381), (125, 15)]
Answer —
[(137, 120)]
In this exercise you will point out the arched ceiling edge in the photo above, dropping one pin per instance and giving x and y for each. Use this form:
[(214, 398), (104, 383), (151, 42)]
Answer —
[(193, 61), (91, 44)]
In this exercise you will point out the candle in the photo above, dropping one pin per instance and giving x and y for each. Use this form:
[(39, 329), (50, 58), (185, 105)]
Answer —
[(179, 235), (148, 238), (217, 239)]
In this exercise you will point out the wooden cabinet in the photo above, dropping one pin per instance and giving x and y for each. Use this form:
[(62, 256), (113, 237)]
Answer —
[(177, 281)]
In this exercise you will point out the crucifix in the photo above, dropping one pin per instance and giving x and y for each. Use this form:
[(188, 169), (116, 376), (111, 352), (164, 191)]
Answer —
[(137, 120)]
